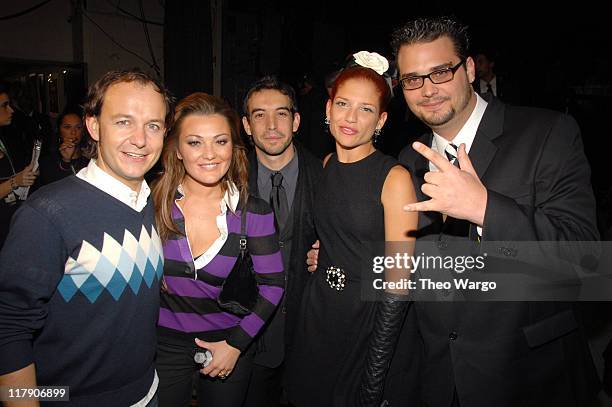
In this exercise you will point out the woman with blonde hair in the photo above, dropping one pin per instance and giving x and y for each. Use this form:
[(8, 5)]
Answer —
[(200, 199)]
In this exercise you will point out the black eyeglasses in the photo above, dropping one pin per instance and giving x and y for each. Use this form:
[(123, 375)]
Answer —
[(437, 77)]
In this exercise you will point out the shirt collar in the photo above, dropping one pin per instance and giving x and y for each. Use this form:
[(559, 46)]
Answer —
[(229, 201), (483, 83), (100, 179), (467, 133)]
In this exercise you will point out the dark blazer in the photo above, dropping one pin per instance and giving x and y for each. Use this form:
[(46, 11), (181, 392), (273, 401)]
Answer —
[(512, 353), (309, 172), (507, 90)]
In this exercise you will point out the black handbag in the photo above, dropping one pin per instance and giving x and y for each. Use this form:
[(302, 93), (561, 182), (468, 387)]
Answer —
[(239, 291)]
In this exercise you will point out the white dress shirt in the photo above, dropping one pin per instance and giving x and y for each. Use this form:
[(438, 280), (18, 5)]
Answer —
[(100, 179), (493, 83), (465, 136), (228, 202)]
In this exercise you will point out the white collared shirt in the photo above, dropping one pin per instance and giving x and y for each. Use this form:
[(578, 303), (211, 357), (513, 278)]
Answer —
[(465, 136), (493, 83), (229, 201), (100, 179)]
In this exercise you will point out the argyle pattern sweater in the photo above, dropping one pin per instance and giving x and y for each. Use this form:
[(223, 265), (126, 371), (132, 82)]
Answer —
[(79, 294)]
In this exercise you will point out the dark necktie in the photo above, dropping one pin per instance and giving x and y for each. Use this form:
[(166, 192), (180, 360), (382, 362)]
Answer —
[(454, 226), (451, 154), (490, 89), (278, 200)]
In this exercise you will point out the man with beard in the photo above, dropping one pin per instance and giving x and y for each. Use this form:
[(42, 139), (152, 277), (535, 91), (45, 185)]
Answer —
[(490, 175), (283, 172), (489, 172)]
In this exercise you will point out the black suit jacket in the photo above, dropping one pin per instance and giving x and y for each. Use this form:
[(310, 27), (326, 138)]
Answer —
[(513, 353), (507, 90), (270, 351)]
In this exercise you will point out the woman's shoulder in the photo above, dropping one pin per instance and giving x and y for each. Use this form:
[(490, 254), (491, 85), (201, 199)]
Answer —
[(398, 174)]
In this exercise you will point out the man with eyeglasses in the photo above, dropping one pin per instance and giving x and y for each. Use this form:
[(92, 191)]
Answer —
[(488, 172)]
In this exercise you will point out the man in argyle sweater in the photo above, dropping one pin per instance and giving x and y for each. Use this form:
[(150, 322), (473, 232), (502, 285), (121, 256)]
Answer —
[(80, 271)]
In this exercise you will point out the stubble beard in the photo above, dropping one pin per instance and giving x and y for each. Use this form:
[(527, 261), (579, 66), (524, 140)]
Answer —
[(439, 119), (276, 151)]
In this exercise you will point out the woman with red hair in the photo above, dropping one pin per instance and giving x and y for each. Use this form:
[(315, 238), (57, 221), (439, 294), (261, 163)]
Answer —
[(341, 354)]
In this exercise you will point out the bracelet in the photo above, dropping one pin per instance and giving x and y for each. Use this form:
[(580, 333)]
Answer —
[(13, 184)]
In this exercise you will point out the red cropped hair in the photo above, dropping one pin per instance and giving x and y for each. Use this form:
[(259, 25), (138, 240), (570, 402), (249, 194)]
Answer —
[(360, 72)]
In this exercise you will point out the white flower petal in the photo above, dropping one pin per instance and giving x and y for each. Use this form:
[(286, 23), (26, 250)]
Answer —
[(372, 60)]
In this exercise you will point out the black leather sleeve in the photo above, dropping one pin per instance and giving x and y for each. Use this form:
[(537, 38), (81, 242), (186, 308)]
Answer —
[(389, 317)]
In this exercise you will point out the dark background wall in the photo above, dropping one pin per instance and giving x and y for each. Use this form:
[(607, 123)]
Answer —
[(559, 55)]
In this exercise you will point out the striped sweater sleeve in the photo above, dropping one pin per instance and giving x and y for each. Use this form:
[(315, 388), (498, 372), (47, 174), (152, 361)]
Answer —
[(262, 243)]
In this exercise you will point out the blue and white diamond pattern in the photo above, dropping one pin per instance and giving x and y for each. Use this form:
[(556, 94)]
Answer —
[(115, 268)]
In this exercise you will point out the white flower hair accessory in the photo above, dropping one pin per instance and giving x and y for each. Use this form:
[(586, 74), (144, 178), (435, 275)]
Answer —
[(372, 60)]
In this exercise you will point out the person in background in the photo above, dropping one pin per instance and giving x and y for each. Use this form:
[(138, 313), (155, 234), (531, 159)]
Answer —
[(13, 175), (200, 199), (29, 124), (489, 84), (69, 159)]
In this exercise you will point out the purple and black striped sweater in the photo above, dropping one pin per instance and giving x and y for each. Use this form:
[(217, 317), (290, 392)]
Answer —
[(189, 308)]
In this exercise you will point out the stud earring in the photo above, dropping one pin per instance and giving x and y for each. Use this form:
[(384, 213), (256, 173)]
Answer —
[(327, 121)]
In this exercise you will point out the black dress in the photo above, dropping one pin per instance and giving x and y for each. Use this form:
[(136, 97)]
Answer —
[(332, 335)]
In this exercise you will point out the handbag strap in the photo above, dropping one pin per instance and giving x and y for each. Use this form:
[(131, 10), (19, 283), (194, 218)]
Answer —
[(243, 237)]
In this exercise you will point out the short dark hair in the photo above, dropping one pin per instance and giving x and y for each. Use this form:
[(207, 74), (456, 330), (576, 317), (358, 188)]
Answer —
[(428, 29), (273, 83), (4, 87), (95, 96)]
